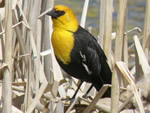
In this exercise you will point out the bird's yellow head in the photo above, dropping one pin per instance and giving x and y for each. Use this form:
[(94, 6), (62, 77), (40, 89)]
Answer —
[(63, 18)]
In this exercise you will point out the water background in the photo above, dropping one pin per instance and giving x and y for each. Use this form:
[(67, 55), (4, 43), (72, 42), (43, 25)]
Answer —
[(136, 12)]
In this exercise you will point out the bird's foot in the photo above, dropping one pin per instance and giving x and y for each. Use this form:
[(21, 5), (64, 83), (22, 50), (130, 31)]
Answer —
[(72, 100), (68, 99), (85, 96)]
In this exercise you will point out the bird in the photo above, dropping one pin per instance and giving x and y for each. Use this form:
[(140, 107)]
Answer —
[(77, 51)]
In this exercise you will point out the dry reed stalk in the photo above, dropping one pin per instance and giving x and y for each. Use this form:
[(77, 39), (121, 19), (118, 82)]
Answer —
[(1, 43), (37, 60), (28, 96), (127, 75), (3, 66), (17, 24), (21, 42), (142, 65), (7, 74), (34, 11), (102, 21), (84, 13), (126, 102), (125, 49), (118, 54), (26, 59), (98, 105), (15, 109), (37, 97), (60, 107), (120, 29), (72, 105), (56, 69), (125, 41), (146, 28), (24, 11), (30, 41), (108, 29), (95, 100), (46, 34)]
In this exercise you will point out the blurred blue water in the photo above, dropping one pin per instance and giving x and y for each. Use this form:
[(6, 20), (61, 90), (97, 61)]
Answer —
[(136, 12)]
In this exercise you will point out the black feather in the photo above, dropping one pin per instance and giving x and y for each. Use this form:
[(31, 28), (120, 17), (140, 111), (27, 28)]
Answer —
[(96, 60)]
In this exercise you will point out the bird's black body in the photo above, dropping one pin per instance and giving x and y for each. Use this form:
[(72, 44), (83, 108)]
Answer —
[(88, 61), (76, 50)]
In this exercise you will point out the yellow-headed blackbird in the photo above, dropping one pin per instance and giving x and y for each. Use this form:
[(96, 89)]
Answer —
[(76, 50)]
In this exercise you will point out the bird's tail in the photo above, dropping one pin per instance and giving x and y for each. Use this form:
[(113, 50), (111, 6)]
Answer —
[(105, 78)]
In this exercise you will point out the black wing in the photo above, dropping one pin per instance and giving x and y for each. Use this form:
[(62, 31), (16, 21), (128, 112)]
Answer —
[(93, 58)]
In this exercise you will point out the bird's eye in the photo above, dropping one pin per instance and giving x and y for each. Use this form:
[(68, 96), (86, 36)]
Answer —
[(60, 13)]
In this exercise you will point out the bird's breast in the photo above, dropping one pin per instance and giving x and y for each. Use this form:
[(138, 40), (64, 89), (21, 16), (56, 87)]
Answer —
[(63, 43)]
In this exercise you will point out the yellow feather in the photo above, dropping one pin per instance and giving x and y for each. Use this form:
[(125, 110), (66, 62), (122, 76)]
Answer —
[(62, 36), (63, 43)]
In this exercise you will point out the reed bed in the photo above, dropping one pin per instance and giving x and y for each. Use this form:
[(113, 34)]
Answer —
[(31, 81)]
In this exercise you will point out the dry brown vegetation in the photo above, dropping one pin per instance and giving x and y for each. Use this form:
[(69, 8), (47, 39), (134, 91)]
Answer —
[(31, 80)]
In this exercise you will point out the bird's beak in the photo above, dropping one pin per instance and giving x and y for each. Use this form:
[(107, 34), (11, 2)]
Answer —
[(52, 13), (44, 13)]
